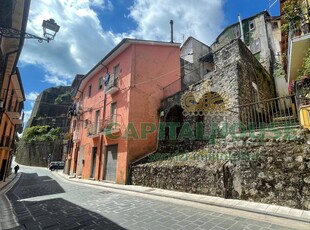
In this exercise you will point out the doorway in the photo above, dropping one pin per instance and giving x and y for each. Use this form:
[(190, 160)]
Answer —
[(111, 163)]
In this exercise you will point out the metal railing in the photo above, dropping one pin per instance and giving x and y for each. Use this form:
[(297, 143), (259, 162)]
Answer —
[(112, 82), (94, 129), (110, 123), (300, 26), (276, 112)]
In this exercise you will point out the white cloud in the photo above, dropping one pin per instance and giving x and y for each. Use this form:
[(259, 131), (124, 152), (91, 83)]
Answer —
[(82, 41), (56, 80), (201, 19), (31, 97), (27, 116)]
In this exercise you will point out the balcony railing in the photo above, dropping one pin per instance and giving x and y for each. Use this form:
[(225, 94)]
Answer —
[(15, 114), (5, 142), (93, 129), (111, 125), (301, 26), (111, 84), (276, 112)]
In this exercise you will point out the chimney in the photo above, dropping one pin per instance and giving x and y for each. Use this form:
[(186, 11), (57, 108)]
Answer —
[(171, 26)]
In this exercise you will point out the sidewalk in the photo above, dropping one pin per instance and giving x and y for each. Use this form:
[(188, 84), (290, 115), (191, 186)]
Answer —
[(7, 181), (260, 208), (8, 219)]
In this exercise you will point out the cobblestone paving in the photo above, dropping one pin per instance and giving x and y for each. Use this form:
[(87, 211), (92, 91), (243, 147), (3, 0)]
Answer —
[(42, 202)]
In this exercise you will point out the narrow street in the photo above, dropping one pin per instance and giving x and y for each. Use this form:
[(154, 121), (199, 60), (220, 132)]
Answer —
[(42, 199)]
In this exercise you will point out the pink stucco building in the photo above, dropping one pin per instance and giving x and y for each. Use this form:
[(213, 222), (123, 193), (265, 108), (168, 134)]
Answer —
[(116, 108)]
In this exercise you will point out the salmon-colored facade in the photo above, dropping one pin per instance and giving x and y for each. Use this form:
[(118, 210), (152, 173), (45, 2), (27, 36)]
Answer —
[(115, 116)]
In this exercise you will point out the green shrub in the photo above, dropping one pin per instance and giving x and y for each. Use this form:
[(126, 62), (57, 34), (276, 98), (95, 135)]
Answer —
[(40, 133)]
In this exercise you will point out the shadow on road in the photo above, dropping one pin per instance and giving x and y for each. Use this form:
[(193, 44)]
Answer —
[(52, 213), (58, 214), (32, 185)]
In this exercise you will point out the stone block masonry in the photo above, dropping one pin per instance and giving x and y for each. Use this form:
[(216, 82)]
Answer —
[(36, 154), (274, 171)]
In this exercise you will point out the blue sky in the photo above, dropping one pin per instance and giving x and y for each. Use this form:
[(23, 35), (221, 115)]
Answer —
[(89, 29)]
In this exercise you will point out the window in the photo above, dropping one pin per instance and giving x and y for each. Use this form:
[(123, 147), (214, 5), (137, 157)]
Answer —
[(252, 25), (236, 32), (96, 128), (255, 46), (275, 25), (116, 71), (113, 112), (89, 91), (100, 83)]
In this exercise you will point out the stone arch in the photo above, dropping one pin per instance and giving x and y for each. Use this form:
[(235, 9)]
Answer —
[(175, 114)]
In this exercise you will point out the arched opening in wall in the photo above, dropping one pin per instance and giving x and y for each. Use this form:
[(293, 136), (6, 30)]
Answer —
[(173, 119)]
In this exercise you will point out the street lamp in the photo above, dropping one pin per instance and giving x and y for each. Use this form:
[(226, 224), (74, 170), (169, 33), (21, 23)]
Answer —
[(50, 28)]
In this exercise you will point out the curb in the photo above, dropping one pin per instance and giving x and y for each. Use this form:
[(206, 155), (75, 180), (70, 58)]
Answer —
[(7, 183), (301, 219)]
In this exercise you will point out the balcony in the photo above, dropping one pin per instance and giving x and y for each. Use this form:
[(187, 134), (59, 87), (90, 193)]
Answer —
[(111, 84), (5, 142), (296, 54), (111, 125), (15, 117), (15, 114), (298, 42), (93, 130)]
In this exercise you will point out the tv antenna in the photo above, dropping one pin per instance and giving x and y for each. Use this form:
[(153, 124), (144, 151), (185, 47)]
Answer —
[(271, 3)]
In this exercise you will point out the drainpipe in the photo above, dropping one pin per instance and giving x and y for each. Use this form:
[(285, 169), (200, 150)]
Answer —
[(171, 30), (101, 136)]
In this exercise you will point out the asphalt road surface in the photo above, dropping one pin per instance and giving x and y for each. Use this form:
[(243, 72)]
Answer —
[(43, 200)]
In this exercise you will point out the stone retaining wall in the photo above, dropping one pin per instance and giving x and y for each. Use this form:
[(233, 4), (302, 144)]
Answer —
[(275, 171), (36, 154)]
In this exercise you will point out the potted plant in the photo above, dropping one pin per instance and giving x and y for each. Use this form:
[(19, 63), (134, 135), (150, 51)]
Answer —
[(292, 16), (304, 72)]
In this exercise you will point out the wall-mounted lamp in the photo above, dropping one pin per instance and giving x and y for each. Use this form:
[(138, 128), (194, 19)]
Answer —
[(50, 28)]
